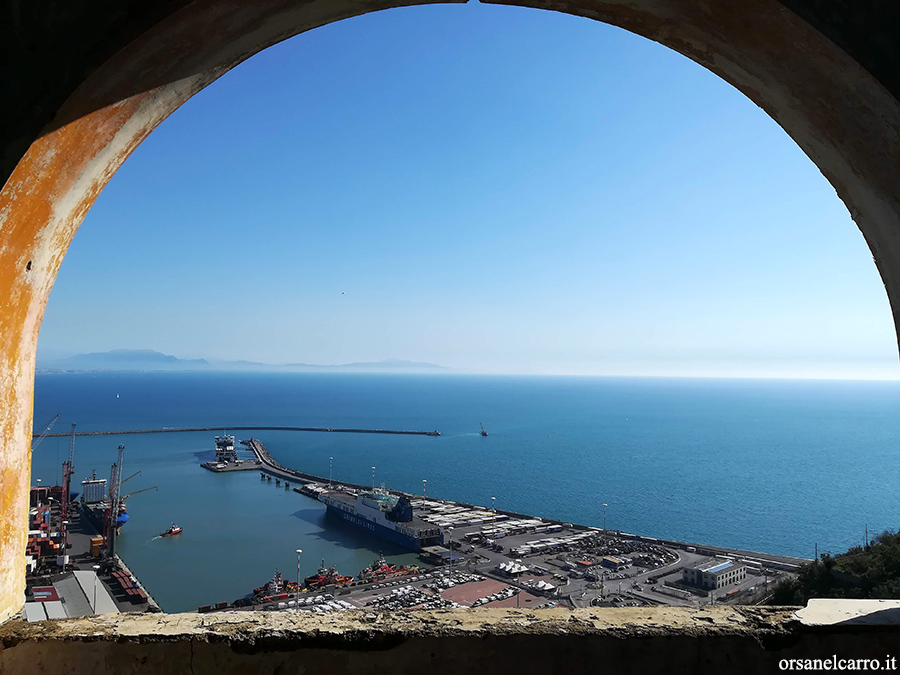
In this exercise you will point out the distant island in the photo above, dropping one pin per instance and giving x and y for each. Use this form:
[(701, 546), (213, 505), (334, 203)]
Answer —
[(143, 360)]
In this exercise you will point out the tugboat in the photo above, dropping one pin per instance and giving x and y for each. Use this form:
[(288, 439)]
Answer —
[(483, 432), (382, 569), (276, 588), (326, 577), (173, 529)]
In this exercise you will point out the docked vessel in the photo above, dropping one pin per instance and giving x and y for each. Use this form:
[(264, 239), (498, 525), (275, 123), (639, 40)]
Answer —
[(225, 452), (382, 569), (99, 516), (384, 515), (275, 588), (172, 530), (326, 576)]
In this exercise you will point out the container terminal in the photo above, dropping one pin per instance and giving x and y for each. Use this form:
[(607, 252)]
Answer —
[(480, 556), (72, 568)]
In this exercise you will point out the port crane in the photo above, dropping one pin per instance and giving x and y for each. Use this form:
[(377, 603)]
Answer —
[(136, 473), (117, 502), (132, 494), (37, 442), (68, 471)]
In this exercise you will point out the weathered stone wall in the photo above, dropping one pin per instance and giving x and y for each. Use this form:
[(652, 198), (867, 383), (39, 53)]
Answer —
[(84, 83), (455, 642)]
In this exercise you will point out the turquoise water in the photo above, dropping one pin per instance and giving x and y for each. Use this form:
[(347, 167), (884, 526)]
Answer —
[(776, 466)]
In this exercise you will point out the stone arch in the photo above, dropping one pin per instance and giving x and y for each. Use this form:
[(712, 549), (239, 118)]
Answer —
[(87, 85)]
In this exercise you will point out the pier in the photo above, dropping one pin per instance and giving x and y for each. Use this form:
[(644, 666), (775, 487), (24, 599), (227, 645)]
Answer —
[(501, 558), (265, 463), (179, 430)]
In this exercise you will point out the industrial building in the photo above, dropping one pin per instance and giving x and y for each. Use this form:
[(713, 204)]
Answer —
[(713, 574)]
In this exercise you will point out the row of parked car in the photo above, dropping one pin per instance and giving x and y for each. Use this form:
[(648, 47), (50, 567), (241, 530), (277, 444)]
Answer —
[(319, 603), (404, 580), (505, 594), (407, 597), (450, 580)]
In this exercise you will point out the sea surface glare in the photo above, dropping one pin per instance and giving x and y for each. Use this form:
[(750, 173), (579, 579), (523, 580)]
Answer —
[(774, 466)]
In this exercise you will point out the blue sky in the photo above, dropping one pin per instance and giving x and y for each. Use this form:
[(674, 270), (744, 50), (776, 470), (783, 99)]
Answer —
[(488, 188)]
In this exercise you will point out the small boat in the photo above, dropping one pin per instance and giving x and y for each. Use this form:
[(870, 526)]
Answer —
[(173, 529), (483, 432)]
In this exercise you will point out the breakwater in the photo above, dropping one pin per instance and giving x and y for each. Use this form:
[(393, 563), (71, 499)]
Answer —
[(174, 430), (270, 466)]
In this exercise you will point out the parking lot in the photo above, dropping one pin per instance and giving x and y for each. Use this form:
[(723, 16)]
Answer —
[(501, 560)]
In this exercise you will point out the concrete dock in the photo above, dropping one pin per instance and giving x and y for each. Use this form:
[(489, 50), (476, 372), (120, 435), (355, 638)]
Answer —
[(560, 563)]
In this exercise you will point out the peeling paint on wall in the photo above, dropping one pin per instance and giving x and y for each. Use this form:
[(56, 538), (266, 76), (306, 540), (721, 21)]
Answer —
[(845, 121)]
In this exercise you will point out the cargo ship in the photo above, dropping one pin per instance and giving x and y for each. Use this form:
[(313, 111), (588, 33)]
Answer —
[(384, 515), (98, 514)]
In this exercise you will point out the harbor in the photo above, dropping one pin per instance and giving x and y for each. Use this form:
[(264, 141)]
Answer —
[(475, 556), (468, 555)]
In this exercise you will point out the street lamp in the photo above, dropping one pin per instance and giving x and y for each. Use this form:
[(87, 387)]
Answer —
[(373, 479), (494, 505), (604, 518), (330, 462), (299, 551), (424, 481), (96, 569)]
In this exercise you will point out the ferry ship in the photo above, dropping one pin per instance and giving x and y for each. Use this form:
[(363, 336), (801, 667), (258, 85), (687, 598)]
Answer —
[(384, 515)]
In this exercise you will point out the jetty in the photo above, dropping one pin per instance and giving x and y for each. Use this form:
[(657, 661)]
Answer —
[(266, 464), (494, 557), (180, 430)]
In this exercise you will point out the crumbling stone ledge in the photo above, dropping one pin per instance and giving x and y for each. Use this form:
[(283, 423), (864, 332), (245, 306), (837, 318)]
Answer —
[(470, 642), (272, 627)]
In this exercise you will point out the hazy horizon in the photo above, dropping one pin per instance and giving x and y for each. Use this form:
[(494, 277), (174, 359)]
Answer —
[(533, 194), (46, 361)]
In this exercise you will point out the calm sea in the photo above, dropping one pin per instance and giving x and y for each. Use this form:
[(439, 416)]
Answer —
[(776, 466)]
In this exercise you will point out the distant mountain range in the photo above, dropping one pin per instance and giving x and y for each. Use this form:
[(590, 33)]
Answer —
[(136, 360)]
